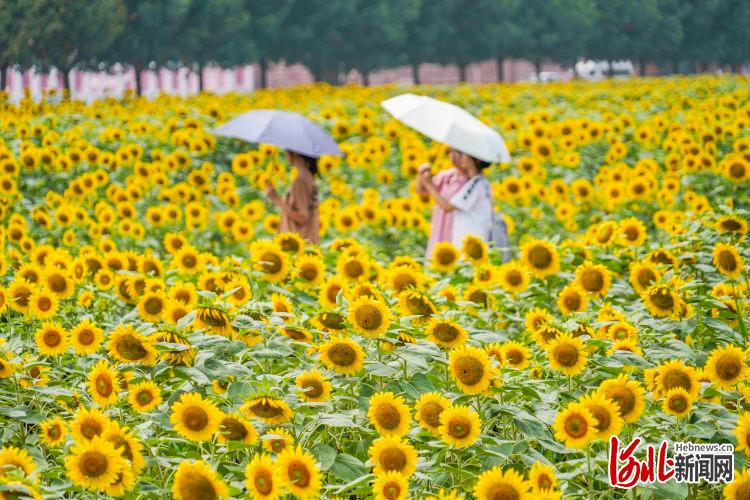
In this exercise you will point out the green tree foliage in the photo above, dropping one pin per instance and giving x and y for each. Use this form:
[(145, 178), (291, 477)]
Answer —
[(268, 29), (12, 48), (556, 30), (70, 33), (150, 36), (377, 34), (214, 32)]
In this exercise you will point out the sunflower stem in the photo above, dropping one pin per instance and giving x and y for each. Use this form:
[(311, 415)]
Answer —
[(590, 479)]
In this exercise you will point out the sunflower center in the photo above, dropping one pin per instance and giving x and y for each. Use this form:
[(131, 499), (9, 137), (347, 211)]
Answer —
[(144, 397), (387, 417), (403, 281), (91, 428), (576, 426), (592, 280), (446, 257), (566, 354), (431, 414), (445, 332), (676, 378), (419, 305), (197, 487), (342, 355), (130, 348), (514, 278), (93, 463), (459, 427), (545, 482), (469, 370), (646, 277), (392, 459), (44, 304), (233, 429), (677, 403), (265, 409), (731, 225), (514, 357), (195, 418), (728, 367), (727, 261), (309, 273), (299, 474), (474, 249), (271, 262), (573, 301), (312, 388), (52, 338), (540, 257), (104, 385), (153, 305), (663, 300), (502, 491), (624, 397), (54, 432), (391, 490), (602, 417), (368, 317), (263, 481), (354, 269), (57, 283)]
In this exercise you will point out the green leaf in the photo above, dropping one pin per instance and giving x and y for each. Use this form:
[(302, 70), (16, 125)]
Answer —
[(325, 455), (348, 468)]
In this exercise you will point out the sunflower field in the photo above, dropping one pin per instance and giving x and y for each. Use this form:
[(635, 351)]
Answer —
[(159, 339)]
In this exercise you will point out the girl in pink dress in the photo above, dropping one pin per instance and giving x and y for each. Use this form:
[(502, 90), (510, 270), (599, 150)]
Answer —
[(447, 183)]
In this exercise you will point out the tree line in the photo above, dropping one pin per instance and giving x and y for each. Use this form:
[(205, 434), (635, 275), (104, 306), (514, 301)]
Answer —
[(333, 37)]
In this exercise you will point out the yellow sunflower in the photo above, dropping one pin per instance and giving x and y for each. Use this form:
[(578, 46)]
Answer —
[(742, 431), (738, 488), (277, 440), (144, 396), (195, 418), (342, 355), (52, 339), (628, 394), (262, 479), (329, 291), (128, 346), (474, 249), (674, 374), (728, 261), (470, 368), (389, 414), (198, 480), (542, 477), (513, 277), (428, 408), (369, 316), (567, 354), (86, 337), (662, 301), (460, 426), (494, 483), (390, 486), (390, 453), (152, 306), (540, 258), (12, 457), (298, 473), (642, 275), (515, 355), (88, 423), (573, 298), (43, 304), (595, 279), (444, 257), (54, 431), (575, 426), (270, 260), (313, 386), (606, 413), (94, 464), (726, 367), (446, 334), (269, 409), (235, 428), (677, 402), (102, 383), (310, 270)]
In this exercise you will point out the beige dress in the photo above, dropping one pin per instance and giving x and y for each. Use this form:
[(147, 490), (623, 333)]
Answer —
[(302, 197)]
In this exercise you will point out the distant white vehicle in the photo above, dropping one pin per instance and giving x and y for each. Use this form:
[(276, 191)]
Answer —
[(545, 76), (599, 70)]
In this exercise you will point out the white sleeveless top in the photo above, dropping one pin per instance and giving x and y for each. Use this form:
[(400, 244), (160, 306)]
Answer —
[(473, 214)]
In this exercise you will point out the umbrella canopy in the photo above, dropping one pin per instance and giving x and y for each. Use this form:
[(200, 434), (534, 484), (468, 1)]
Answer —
[(286, 130), (449, 124)]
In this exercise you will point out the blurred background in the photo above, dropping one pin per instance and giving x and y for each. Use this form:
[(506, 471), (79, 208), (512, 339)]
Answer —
[(97, 48)]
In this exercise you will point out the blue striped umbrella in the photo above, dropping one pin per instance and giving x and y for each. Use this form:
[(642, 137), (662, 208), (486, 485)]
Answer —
[(286, 130)]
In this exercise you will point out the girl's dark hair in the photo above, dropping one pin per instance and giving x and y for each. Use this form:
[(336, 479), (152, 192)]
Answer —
[(311, 162), (481, 164)]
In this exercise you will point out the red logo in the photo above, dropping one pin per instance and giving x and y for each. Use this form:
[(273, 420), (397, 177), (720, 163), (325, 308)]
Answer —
[(636, 471)]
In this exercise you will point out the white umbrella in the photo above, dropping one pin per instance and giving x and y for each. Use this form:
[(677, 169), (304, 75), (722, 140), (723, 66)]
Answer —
[(449, 124)]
